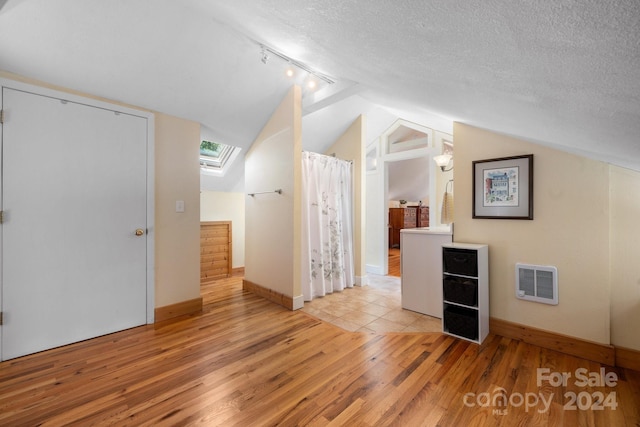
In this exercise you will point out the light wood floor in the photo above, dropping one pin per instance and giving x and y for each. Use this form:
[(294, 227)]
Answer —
[(394, 262), (245, 361)]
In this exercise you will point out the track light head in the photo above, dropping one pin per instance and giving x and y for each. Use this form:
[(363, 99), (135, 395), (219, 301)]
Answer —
[(294, 65), (289, 72), (265, 57)]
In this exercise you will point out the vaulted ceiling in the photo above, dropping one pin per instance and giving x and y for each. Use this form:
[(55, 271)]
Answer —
[(563, 73)]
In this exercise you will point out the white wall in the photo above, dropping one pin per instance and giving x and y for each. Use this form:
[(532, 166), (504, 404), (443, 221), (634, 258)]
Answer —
[(375, 222), (377, 204), (221, 206)]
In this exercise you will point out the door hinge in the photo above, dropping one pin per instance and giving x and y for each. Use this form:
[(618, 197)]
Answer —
[(1, 116), (0, 318), (1, 217)]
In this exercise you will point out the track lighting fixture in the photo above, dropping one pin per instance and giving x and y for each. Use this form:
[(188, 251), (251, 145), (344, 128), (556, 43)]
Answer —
[(267, 52)]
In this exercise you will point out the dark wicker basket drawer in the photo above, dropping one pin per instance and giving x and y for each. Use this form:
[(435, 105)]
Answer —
[(460, 261), (461, 321), (461, 290)]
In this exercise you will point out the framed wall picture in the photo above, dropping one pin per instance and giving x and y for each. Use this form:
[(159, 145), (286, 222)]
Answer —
[(503, 188)]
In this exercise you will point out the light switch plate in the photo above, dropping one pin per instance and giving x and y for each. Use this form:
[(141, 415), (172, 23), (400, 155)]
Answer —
[(179, 205)]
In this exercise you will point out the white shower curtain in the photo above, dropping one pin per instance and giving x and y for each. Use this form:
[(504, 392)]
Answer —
[(327, 231)]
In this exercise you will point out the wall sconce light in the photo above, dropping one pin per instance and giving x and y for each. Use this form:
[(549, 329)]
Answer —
[(442, 161)]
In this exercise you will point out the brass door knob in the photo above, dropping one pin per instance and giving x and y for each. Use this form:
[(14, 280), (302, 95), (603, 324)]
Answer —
[(139, 231)]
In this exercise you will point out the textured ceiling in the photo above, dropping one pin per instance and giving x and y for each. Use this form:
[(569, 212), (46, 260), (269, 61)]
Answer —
[(564, 73)]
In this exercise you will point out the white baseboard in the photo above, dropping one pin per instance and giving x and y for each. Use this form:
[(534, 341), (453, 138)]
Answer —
[(298, 302), (362, 280), (374, 269)]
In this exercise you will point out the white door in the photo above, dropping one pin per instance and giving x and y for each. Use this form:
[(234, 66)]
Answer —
[(73, 194)]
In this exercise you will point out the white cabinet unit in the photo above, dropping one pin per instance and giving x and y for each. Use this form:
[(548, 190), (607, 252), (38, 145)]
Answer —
[(465, 284), (421, 269)]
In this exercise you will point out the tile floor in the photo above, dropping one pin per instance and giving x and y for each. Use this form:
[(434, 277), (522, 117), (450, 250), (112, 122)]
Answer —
[(374, 308)]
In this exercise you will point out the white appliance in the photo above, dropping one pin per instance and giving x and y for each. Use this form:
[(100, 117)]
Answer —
[(421, 269)]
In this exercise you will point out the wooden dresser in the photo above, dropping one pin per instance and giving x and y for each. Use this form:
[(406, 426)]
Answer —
[(423, 216), (409, 217)]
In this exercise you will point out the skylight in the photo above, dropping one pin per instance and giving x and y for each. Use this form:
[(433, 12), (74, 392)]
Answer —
[(215, 157)]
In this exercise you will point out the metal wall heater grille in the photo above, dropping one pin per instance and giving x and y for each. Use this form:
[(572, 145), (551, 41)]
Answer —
[(537, 283)]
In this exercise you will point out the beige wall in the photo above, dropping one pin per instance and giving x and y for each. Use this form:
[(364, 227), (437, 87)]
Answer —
[(176, 169), (625, 258), (570, 230), (223, 206), (177, 177), (350, 146), (272, 221)]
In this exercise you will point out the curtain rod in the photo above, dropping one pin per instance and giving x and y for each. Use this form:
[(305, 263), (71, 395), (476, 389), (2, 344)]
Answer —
[(327, 155), (334, 155), (279, 191)]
